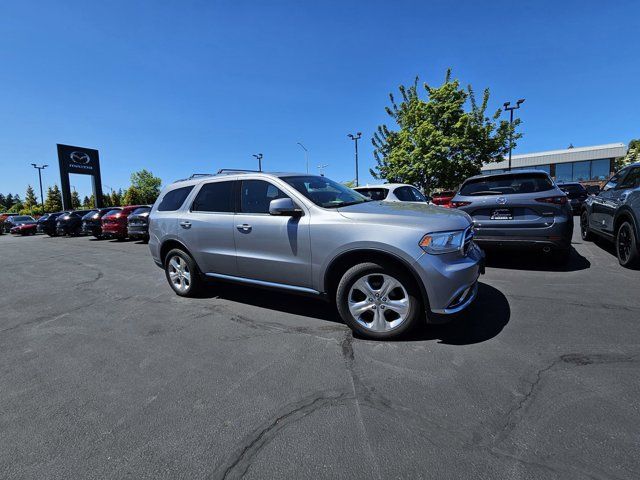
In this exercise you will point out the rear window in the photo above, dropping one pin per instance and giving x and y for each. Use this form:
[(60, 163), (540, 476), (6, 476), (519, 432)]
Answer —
[(374, 193), (174, 199), (140, 210), (507, 184), (576, 188), (409, 194), (214, 197)]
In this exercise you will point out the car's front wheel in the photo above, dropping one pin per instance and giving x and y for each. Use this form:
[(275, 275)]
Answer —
[(378, 301), (585, 232), (627, 246), (182, 273)]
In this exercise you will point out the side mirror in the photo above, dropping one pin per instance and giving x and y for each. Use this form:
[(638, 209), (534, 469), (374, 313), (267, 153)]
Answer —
[(284, 206)]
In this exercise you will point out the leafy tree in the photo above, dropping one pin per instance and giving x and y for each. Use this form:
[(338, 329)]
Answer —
[(633, 154), (116, 198), (30, 199), (438, 143), (106, 200), (9, 201), (144, 188), (53, 202), (87, 202), (75, 200)]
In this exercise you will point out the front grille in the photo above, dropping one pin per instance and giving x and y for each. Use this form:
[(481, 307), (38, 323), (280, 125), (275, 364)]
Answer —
[(468, 240)]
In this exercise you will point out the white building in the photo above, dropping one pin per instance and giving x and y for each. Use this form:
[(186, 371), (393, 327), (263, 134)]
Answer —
[(579, 164)]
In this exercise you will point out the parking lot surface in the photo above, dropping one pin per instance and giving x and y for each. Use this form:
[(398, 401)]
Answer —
[(105, 373)]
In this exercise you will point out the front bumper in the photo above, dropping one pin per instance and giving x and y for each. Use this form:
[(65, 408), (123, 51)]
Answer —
[(450, 280)]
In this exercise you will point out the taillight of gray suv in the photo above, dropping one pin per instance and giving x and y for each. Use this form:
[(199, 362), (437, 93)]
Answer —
[(384, 264)]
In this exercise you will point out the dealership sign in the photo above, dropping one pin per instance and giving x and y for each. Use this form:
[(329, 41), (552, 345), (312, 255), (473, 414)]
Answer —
[(83, 161)]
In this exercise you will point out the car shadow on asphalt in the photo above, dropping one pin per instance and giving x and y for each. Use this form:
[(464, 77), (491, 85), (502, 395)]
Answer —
[(482, 321), (534, 260)]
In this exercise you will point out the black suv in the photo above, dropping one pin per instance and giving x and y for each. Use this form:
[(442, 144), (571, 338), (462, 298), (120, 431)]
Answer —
[(47, 223), (92, 221), (576, 194), (615, 214), (71, 223)]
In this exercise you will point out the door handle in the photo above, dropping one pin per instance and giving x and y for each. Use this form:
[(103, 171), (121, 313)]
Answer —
[(185, 224), (245, 227)]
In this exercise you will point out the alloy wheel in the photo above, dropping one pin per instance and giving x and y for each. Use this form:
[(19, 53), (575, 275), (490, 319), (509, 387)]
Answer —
[(379, 302), (179, 273), (624, 243)]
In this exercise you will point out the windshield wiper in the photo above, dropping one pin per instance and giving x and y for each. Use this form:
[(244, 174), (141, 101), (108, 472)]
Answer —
[(346, 204)]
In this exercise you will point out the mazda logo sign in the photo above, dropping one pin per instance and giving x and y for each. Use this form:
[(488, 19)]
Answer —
[(501, 200), (80, 158)]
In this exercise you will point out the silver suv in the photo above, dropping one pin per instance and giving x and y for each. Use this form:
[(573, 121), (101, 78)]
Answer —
[(384, 264)]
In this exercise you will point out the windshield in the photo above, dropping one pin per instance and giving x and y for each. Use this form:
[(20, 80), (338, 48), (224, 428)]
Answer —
[(324, 192), (572, 188), (507, 184), (22, 218)]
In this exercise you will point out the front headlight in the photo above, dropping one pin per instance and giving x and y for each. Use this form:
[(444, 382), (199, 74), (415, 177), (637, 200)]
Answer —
[(438, 243)]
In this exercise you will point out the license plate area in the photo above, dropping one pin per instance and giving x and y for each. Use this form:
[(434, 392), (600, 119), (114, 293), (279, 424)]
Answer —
[(502, 214)]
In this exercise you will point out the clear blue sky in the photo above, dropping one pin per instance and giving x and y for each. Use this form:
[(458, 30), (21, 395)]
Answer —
[(192, 86)]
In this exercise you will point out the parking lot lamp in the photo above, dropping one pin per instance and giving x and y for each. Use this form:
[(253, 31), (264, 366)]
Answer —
[(321, 168), (511, 109), (259, 157), (40, 168), (355, 138), (306, 155)]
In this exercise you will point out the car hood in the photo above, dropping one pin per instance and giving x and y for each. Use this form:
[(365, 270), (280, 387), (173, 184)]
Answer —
[(419, 215)]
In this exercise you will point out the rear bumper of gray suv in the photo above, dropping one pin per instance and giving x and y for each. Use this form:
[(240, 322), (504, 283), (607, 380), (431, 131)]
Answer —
[(558, 235), (451, 283)]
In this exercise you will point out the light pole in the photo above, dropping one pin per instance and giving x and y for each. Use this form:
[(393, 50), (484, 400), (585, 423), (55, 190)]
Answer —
[(321, 168), (306, 155), (355, 138), (511, 109), (259, 157), (40, 168)]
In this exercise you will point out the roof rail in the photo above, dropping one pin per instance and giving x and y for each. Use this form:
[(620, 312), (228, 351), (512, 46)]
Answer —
[(196, 175), (229, 171)]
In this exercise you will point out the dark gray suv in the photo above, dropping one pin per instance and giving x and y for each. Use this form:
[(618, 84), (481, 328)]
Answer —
[(615, 215), (522, 208), (383, 263)]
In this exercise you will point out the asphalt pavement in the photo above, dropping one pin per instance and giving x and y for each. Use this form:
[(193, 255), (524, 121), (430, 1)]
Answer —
[(105, 373)]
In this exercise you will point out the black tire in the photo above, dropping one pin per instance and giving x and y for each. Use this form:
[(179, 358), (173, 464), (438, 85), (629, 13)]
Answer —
[(585, 232), (372, 272), (195, 283), (626, 245)]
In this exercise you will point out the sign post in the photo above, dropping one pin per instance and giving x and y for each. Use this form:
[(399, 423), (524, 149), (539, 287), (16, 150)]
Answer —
[(83, 161)]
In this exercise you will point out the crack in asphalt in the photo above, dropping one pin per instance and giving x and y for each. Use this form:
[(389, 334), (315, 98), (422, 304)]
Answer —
[(241, 461)]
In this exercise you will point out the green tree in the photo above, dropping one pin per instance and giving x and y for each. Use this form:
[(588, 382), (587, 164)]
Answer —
[(633, 154), (87, 202), (30, 199), (116, 198), (75, 200), (133, 196), (438, 143), (144, 188), (53, 202), (106, 200)]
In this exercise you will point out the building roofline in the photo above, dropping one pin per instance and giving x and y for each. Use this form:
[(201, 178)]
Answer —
[(570, 150)]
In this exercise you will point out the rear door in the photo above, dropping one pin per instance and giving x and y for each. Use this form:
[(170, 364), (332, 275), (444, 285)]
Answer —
[(206, 228), (271, 248), (605, 203)]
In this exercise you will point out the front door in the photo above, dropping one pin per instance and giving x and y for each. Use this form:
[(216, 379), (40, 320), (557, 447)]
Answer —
[(271, 248)]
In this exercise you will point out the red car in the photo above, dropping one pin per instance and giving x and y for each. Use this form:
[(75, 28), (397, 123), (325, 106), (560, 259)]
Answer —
[(25, 229), (443, 198), (114, 224)]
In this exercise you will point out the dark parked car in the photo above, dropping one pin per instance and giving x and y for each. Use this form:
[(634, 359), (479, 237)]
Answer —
[(71, 222), (3, 217), (92, 221), (615, 215), (15, 220), (576, 194), (47, 223), (520, 209), (593, 189), (114, 224), (138, 223)]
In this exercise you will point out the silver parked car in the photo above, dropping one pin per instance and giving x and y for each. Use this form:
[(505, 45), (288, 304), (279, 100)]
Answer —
[(383, 263), (523, 208)]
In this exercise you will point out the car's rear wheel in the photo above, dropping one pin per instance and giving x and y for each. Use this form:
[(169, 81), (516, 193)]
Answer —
[(182, 273), (627, 246), (378, 301), (585, 232)]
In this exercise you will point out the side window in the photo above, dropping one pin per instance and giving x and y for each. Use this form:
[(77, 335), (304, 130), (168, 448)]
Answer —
[(613, 181), (632, 180), (214, 197), (404, 194), (419, 197), (174, 199), (256, 195)]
